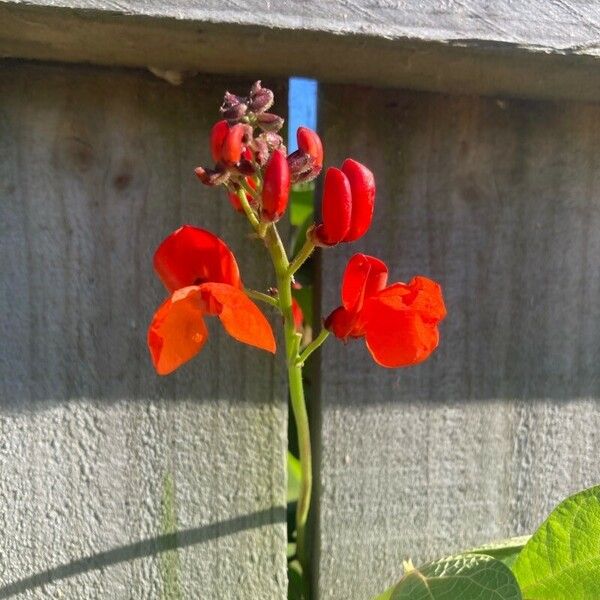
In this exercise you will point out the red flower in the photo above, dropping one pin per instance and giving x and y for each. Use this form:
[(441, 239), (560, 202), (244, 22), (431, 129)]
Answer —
[(276, 187), (202, 275), (399, 322), (306, 162), (347, 205)]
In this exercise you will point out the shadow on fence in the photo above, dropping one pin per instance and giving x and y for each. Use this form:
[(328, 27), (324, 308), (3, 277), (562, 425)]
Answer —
[(147, 547)]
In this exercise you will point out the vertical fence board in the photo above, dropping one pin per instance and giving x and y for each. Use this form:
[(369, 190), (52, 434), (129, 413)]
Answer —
[(499, 200), (106, 468)]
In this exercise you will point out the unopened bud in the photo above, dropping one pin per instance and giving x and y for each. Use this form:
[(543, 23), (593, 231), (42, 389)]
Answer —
[(261, 99), (245, 167), (233, 107), (300, 165), (261, 151), (269, 122), (211, 177), (274, 141), (235, 113)]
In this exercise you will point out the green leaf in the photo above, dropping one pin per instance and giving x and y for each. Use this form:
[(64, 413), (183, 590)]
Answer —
[(561, 561), (294, 476), (464, 577), (301, 203), (505, 551)]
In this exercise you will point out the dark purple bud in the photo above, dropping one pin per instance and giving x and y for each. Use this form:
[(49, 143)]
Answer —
[(269, 122), (261, 151), (261, 99), (302, 167), (211, 176), (235, 113), (274, 141), (233, 107), (245, 167)]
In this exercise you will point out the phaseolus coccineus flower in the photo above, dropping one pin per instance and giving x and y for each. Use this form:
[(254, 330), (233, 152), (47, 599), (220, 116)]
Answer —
[(399, 322), (201, 274)]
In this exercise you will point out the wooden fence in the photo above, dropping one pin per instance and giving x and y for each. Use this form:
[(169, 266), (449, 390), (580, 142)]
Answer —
[(117, 484)]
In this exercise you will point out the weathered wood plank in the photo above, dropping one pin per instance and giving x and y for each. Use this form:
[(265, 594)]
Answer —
[(500, 202), (104, 465), (544, 48)]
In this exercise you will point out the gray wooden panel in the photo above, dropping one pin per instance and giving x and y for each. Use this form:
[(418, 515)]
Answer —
[(540, 48), (500, 202), (105, 467)]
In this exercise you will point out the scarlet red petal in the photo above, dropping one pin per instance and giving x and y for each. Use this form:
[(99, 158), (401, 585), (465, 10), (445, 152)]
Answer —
[(218, 135), (362, 185), (240, 317), (364, 276), (398, 337), (336, 208), (276, 187), (177, 332), (310, 143), (191, 255), (422, 295), (233, 146)]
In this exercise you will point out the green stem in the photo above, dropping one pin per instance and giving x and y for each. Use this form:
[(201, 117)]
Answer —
[(256, 295), (248, 210), (323, 335), (292, 345), (303, 255)]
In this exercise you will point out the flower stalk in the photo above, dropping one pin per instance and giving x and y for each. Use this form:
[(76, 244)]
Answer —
[(296, 387)]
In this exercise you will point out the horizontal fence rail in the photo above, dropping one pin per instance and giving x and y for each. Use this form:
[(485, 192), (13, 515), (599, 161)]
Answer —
[(541, 48)]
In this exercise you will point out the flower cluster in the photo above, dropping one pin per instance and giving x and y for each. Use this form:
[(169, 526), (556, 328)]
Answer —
[(398, 321)]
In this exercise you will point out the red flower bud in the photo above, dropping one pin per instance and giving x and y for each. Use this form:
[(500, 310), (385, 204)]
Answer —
[(310, 143), (276, 187), (362, 184), (336, 209), (218, 135), (306, 162), (233, 147), (347, 205)]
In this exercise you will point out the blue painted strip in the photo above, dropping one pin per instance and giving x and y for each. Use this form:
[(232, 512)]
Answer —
[(302, 104)]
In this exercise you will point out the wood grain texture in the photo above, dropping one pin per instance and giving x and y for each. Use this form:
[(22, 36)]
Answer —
[(500, 202), (107, 468), (541, 48)]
